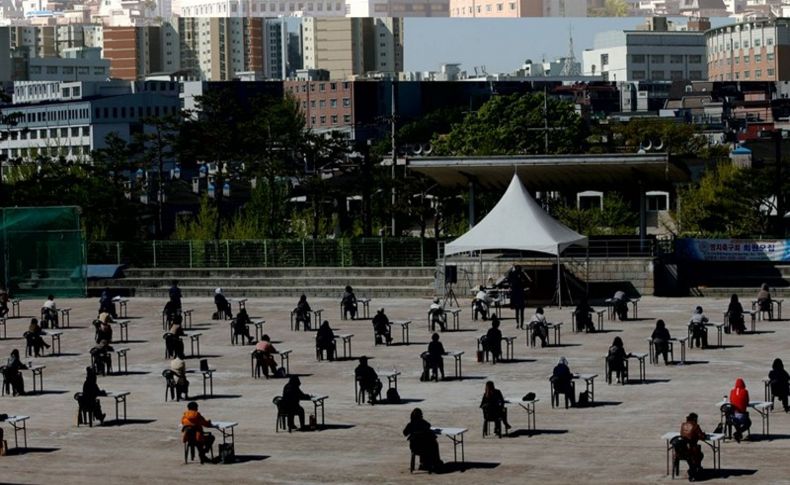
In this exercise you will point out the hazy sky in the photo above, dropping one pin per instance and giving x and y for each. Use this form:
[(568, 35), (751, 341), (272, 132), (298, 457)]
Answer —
[(502, 45)]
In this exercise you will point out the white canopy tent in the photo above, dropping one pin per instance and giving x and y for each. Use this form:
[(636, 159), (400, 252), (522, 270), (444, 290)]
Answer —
[(517, 222)]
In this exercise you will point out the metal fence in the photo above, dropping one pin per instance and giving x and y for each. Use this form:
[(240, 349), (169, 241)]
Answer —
[(382, 252)]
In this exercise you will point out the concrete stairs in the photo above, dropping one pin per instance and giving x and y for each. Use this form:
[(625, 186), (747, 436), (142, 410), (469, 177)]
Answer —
[(744, 279), (274, 282)]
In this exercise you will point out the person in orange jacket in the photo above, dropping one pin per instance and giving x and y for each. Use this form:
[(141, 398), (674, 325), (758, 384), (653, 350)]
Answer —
[(739, 399), (192, 423)]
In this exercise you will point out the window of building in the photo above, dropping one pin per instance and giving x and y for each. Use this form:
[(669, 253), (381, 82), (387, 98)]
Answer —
[(75, 131), (312, 103), (676, 59), (758, 73), (334, 119), (770, 72), (747, 74), (676, 75), (333, 86), (736, 45), (745, 44), (82, 70), (33, 134), (757, 42), (604, 59), (333, 103), (42, 134), (312, 120), (758, 57), (346, 118), (695, 75), (346, 102), (657, 75), (638, 58), (658, 59), (769, 41), (770, 56), (323, 120), (499, 7), (638, 75), (53, 133), (322, 103), (745, 59)]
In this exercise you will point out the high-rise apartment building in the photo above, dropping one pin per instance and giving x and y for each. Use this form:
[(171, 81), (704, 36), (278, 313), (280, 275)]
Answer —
[(749, 51), (216, 49), (518, 8), (258, 8), (397, 8), (353, 46), (136, 52)]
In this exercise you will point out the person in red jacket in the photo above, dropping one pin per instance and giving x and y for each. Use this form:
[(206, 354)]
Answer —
[(739, 399), (192, 423)]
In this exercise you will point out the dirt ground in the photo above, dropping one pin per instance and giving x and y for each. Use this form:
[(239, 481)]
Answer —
[(617, 441)]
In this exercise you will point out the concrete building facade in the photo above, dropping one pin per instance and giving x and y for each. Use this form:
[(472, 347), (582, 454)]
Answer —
[(518, 8), (749, 51), (644, 55), (259, 8), (397, 8)]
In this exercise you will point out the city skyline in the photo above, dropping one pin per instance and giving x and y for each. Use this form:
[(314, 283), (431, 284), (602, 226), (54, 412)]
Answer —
[(475, 42)]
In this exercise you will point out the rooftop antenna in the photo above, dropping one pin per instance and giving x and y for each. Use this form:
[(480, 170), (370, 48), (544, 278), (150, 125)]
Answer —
[(569, 66)]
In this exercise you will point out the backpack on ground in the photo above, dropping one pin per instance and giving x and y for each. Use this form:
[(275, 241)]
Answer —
[(226, 453), (584, 399), (392, 396), (215, 316), (280, 372)]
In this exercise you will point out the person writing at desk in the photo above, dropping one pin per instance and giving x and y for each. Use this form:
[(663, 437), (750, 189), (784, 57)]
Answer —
[(381, 326), (34, 337), (481, 303), (493, 340), (12, 374), (325, 340), (539, 327), (192, 424), (289, 404), (265, 355), (223, 305), (368, 379), (562, 378), (691, 432), (739, 400), (699, 333), (493, 406), (422, 441), (302, 313), (735, 315), (616, 360), (661, 338), (91, 393), (779, 381), (437, 315), (179, 367), (349, 303), (583, 314), (106, 305), (50, 312), (241, 325)]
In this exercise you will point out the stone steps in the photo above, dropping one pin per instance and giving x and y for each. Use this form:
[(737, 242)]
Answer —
[(293, 292), (743, 292), (279, 272)]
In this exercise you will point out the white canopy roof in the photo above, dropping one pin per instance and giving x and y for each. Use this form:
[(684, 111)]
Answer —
[(517, 222)]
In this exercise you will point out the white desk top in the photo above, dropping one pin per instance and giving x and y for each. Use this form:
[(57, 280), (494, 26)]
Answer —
[(518, 400), (708, 436), (117, 394), (120, 350), (449, 431), (388, 373), (758, 405), (192, 334), (455, 353), (318, 398), (585, 377), (17, 419), (52, 333), (638, 356), (224, 424), (344, 335), (400, 322), (36, 367), (119, 299)]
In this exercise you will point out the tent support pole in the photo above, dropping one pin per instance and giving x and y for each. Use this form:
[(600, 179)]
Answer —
[(482, 279), (559, 281)]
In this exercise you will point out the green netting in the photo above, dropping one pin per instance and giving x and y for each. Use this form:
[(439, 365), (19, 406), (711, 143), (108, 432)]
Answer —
[(43, 252)]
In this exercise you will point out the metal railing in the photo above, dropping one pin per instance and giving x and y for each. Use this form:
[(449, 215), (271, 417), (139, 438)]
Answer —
[(367, 252)]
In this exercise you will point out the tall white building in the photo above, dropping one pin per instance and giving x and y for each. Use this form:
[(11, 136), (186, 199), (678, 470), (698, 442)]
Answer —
[(398, 8), (646, 55), (259, 8)]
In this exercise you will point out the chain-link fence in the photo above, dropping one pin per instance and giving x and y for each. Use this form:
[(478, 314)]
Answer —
[(382, 252)]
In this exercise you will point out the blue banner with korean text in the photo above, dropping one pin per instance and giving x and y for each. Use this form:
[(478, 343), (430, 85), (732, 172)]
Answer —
[(733, 249)]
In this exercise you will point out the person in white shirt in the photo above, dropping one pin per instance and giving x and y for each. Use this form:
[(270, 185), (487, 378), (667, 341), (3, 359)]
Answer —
[(50, 312), (481, 303), (539, 327), (437, 315)]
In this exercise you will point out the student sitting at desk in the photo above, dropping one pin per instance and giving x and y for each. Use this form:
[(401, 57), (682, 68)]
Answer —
[(302, 313), (90, 395), (179, 367), (34, 337), (106, 305), (100, 357), (265, 356), (437, 315), (422, 441), (764, 300), (12, 374), (615, 359), (192, 423), (493, 340), (381, 326), (349, 303), (223, 305), (103, 328), (735, 315), (699, 332), (240, 325), (481, 303), (692, 434), (661, 338), (3, 307), (539, 327), (49, 313), (779, 381), (173, 342), (325, 340), (435, 357), (368, 379), (493, 406), (562, 378), (739, 400), (583, 314), (174, 293), (289, 404)]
